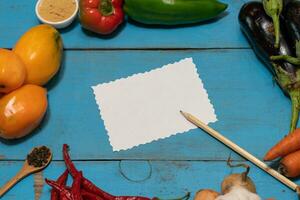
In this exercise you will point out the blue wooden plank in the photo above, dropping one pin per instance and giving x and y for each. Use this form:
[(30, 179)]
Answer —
[(17, 16), (168, 179), (250, 108)]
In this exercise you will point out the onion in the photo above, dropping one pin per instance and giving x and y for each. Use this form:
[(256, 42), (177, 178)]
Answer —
[(206, 194), (239, 180)]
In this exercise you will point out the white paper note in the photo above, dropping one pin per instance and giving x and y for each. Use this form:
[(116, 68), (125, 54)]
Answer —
[(145, 107)]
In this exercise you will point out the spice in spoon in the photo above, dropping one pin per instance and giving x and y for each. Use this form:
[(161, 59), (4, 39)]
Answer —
[(39, 156), (56, 10)]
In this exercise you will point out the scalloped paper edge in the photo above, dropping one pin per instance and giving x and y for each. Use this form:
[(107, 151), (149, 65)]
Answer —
[(141, 76)]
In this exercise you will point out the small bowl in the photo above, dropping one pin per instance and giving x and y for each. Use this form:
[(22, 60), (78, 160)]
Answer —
[(60, 24)]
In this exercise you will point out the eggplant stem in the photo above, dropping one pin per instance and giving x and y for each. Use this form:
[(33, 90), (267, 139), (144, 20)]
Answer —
[(295, 98), (273, 9), (276, 23), (287, 58)]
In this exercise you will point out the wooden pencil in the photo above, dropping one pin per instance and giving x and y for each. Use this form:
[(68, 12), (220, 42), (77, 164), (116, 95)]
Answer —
[(241, 151)]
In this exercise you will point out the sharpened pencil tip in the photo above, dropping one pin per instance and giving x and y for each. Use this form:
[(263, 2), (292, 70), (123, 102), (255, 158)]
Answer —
[(183, 113)]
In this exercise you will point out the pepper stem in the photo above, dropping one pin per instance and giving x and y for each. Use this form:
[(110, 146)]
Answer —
[(106, 7), (185, 197), (295, 98), (273, 9), (290, 59)]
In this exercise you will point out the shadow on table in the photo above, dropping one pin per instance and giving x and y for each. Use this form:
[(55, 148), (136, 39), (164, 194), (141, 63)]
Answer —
[(70, 27)]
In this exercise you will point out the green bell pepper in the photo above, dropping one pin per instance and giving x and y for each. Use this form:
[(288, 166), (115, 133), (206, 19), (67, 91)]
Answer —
[(173, 12)]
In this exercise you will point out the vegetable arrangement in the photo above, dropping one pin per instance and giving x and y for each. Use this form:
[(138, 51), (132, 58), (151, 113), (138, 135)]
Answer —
[(279, 50), (291, 19), (259, 29), (236, 186), (233, 187), (34, 60), (104, 16), (82, 188), (289, 150)]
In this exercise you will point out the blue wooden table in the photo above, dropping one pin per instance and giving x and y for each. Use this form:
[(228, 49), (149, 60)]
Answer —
[(251, 109)]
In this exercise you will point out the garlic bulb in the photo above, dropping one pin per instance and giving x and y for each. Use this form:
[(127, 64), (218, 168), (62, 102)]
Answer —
[(239, 193)]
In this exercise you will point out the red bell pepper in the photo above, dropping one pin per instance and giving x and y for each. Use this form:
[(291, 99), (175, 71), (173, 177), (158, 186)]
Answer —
[(101, 16)]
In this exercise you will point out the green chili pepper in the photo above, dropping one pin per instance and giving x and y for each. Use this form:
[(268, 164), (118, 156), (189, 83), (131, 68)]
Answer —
[(173, 12)]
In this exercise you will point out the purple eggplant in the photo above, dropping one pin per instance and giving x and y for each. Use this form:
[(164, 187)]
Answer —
[(291, 18), (258, 27)]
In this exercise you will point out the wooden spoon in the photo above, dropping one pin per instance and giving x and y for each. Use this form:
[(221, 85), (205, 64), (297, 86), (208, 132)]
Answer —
[(25, 171)]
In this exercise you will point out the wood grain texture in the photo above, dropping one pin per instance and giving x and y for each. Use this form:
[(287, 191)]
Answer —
[(38, 184), (168, 179), (17, 16), (251, 110)]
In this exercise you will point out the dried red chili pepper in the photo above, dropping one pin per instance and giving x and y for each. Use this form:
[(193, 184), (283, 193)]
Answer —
[(62, 179), (90, 196), (76, 186), (69, 164), (64, 194), (86, 184), (89, 187)]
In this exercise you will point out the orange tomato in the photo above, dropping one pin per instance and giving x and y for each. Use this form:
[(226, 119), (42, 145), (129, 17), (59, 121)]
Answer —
[(41, 49), (12, 71), (22, 110)]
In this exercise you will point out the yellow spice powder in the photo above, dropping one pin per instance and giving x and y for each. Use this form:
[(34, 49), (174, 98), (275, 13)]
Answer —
[(56, 10)]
